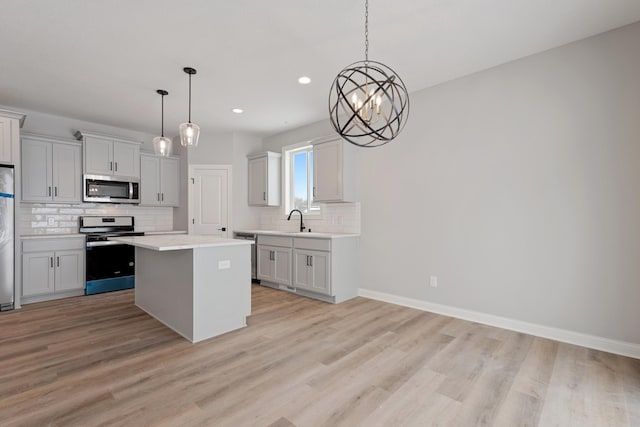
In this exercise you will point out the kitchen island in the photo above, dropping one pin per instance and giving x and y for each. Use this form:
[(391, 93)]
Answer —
[(199, 286)]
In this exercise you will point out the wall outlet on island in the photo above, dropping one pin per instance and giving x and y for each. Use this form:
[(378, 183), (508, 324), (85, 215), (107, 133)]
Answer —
[(51, 220), (433, 281)]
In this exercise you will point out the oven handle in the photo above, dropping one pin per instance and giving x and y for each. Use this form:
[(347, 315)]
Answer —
[(104, 243)]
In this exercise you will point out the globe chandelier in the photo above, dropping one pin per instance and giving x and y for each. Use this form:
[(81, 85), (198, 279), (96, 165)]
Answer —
[(368, 101)]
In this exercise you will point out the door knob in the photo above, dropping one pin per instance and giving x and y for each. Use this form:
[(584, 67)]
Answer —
[(222, 229)]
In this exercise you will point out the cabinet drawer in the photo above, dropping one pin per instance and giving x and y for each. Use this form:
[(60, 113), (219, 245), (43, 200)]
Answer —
[(313, 244), (48, 244), (274, 240)]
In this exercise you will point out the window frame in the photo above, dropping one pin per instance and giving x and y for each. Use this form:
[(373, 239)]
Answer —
[(288, 154)]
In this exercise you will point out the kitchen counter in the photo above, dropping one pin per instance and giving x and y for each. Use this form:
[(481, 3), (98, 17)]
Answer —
[(199, 286), (312, 235), (173, 242), (154, 233), (51, 236)]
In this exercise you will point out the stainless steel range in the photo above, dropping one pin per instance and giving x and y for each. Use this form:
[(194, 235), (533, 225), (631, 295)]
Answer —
[(110, 265)]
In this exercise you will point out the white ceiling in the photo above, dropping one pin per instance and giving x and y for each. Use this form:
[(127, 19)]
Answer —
[(102, 61)]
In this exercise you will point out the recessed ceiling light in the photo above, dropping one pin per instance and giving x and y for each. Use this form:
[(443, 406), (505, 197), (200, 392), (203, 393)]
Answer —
[(304, 80), (237, 110)]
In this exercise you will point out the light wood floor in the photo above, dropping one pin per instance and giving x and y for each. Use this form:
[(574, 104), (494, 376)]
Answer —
[(100, 360)]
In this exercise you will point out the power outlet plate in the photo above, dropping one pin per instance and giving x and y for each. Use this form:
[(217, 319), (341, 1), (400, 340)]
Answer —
[(433, 281), (51, 221)]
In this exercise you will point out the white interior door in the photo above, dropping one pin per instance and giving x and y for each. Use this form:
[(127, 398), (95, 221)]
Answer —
[(209, 189)]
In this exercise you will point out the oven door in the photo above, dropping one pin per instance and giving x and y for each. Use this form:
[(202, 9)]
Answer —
[(110, 267)]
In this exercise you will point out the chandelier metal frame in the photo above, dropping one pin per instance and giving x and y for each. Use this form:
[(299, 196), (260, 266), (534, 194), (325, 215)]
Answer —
[(368, 101)]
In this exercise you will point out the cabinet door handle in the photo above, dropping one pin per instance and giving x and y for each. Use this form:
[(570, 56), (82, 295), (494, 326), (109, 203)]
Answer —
[(310, 261), (51, 260), (116, 166), (264, 195), (110, 166), (49, 191), (162, 197), (158, 194), (56, 190), (57, 261), (314, 191)]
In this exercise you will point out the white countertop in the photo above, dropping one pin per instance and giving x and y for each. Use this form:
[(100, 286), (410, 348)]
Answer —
[(174, 242), (155, 233), (51, 236), (312, 235)]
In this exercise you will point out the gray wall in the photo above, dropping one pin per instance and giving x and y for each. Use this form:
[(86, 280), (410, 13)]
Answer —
[(519, 187), (243, 215), (220, 148)]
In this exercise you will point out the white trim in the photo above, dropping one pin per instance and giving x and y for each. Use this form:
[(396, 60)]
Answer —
[(326, 138), (622, 348), (14, 115)]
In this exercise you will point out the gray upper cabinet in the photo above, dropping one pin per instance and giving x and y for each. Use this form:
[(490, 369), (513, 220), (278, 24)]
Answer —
[(10, 124), (264, 179), (333, 171), (159, 180), (6, 140), (110, 156), (51, 169)]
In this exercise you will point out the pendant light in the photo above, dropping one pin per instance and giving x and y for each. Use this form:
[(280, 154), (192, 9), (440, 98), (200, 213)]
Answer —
[(162, 145), (368, 101), (189, 132)]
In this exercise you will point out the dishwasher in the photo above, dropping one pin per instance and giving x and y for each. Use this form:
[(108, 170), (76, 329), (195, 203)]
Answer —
[(254, 258)]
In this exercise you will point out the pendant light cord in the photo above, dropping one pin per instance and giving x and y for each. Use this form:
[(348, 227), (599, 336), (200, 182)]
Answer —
[(162, 120), (189, 98), (366, 31)]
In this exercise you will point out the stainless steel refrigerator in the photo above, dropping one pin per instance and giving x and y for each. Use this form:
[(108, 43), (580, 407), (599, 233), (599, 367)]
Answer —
[(7, 213)]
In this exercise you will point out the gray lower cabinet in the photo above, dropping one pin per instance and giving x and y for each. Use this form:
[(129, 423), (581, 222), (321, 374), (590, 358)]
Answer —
[(274, 260), (52, 268), (312, 270), (321, 268)]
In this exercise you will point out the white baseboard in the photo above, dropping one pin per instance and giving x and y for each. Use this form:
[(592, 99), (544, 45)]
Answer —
[(622, 348)]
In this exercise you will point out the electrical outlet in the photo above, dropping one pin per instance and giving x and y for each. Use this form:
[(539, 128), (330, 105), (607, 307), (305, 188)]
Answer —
[(223, 265), (433, 281), (51, 221)]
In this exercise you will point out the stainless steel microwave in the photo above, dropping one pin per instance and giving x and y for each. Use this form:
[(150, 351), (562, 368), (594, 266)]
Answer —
[(109, 189)]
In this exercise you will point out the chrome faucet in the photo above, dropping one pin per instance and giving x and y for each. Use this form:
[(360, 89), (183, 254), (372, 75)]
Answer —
[(302, 227)]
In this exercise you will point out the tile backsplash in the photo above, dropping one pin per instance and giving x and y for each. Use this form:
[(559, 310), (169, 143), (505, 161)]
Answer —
[(334, 218), (47, 218)]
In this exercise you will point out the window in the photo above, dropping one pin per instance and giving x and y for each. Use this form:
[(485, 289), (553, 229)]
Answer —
[(299, 179)]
